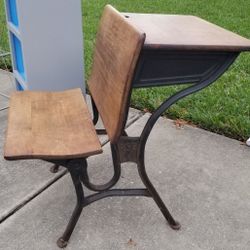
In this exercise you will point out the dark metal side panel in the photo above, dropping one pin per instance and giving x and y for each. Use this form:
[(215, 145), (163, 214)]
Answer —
[(161, 67)]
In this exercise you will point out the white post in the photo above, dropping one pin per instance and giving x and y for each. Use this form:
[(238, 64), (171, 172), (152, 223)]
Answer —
[(46, 43), (248, 142)]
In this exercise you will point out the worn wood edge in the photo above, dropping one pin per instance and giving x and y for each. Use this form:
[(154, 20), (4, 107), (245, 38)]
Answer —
[(7, 128), (204, 48), (47, 157)]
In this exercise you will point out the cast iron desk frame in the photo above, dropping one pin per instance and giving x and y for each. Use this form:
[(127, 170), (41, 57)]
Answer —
[(156, 67)]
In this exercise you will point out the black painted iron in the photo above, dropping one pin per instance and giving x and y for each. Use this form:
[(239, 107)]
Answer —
[(158, 67), (130, 149), (114, 179), (78, 171), (54, 169), (95, 112), (75, 172)]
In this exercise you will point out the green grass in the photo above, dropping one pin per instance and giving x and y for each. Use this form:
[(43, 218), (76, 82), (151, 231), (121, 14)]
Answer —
[(4, 46), (223, 107), (3, 30)]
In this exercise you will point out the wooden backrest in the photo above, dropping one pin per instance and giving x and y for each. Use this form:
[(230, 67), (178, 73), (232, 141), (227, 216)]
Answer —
[(118, 45)]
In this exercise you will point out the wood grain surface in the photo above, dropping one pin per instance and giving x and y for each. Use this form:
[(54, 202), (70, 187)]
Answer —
[(118, 45), (181, 32), (50, 125)]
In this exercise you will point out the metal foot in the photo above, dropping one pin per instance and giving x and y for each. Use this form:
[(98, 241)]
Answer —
[(61, 243), (54, 169), (177, 226)]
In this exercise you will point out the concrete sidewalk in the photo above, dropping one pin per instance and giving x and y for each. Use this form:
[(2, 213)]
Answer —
[(203, 178)]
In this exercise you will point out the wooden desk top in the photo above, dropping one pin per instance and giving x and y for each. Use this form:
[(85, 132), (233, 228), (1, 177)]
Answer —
[(181, 32)]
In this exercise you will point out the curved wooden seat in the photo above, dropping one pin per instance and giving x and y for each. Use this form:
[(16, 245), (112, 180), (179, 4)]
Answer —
[(50, 125)]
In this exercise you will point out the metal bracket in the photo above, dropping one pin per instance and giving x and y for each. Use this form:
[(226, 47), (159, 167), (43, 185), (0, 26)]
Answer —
[(128, 148)]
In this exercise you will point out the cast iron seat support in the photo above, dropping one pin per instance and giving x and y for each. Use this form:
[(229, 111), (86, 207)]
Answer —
[(79, 174)]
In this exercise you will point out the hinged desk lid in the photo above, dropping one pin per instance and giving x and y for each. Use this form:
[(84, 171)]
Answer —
[(181, 32)]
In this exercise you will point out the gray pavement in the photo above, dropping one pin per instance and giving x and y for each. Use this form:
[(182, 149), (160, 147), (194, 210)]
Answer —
[(6, 83), (203, 178)]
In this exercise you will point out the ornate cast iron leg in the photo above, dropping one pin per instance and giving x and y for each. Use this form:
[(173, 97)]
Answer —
[(133, 148), (130, 150), (144, 177), (153, 119), (117, 173), (75, 173)]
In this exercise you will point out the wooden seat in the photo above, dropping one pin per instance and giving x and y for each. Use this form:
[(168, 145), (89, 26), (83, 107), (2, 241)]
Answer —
[(50, 125)]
